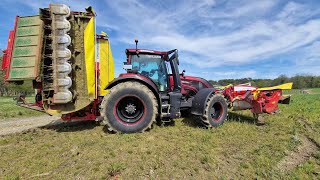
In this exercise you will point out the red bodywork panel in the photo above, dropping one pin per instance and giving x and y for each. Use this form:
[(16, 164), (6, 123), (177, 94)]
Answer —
[(265, 102), (192, 78), (7, 54), (191, 85), (89, 113), (189, 79), (269, 100), (137, 76), (183, 87), (186, 86)]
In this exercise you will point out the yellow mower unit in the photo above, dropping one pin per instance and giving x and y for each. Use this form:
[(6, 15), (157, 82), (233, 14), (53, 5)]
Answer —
[(69, 64)]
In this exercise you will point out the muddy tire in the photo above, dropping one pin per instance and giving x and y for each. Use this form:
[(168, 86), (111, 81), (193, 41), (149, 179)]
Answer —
[(129, 107), (216, 111)]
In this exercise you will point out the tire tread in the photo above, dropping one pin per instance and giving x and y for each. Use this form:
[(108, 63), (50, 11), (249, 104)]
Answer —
[(124, 85)]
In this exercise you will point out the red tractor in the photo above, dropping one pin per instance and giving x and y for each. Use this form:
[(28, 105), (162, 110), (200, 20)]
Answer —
[(152, 89)]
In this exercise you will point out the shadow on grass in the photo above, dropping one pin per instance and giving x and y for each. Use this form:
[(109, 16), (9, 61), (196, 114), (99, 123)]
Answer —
[(107, 131), (191, 121), (235, 117), (71, 126), (188, 121), (161, 123), (241, 118)]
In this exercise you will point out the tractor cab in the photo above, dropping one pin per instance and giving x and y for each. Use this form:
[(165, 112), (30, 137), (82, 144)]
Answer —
[(161, 70), (160, 67)]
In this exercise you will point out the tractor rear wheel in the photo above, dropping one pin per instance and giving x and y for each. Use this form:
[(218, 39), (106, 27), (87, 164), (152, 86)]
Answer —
[(216, 111), (129, 107)]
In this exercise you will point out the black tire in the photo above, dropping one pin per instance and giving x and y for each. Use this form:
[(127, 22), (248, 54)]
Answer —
[(129, 107), (216, 111)]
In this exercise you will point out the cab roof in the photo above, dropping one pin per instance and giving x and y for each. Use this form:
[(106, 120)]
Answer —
[(145, 51)]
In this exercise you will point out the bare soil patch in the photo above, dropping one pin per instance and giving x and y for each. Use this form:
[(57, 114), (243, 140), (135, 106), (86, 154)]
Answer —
[(14, 125), (303, 153)]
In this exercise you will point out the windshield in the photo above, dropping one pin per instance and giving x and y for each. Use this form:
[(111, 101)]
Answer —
[(151, 66)]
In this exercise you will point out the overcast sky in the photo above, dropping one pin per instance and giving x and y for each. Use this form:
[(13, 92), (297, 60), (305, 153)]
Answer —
[(217, 39)]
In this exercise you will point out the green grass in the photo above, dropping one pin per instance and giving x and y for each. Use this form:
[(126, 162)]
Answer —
[(9, 109), (299, 91), (238, 149), (315, 90)]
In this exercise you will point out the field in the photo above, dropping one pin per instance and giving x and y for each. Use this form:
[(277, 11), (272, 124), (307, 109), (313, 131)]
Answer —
[(9, 110), (287, 146)]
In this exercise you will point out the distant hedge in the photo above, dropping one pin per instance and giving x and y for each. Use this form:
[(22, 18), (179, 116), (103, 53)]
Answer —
[(299, 81)]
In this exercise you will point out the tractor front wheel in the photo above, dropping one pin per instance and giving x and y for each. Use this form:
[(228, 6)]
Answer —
[(216, 111), (129, 107)]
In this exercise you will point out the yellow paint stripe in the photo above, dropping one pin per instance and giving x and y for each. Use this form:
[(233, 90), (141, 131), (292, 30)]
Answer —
[(89, 38), (106, 65), (282, 86)]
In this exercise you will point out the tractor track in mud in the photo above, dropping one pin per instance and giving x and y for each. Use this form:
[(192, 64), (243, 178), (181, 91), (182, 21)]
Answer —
[(309, 128), (304, 152), (16, 125)]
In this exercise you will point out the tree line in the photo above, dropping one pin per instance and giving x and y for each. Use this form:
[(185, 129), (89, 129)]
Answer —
[(299, 81)]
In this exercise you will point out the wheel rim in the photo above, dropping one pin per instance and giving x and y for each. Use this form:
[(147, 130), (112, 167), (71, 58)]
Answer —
[(129, 110), (216, 111)]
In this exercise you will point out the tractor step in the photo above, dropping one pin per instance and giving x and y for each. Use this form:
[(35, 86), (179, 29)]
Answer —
[(165, 105), (165, 110), (166, 120), (165, 115)]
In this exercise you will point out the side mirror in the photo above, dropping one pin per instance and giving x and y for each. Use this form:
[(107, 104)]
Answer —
[(127, 66)]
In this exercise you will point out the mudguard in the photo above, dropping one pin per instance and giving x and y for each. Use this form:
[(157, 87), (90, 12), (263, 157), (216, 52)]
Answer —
[(200, 100), (134, 77)]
